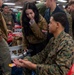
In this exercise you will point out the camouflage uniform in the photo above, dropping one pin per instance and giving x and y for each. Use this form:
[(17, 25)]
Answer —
[(8, 18), (4, 50), (56, 58), (70, 22)]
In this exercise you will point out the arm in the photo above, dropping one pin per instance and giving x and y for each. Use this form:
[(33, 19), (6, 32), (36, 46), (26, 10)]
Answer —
[(37, 29), (3, 26), (58, 66), (62, 63), (40, 57)]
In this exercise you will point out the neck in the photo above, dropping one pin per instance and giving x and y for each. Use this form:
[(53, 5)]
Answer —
[(53, 7), (56, 34)]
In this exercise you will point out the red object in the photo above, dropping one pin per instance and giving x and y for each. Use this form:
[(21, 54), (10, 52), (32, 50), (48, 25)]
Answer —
[(71, 71), (10, 37), (17, 27)]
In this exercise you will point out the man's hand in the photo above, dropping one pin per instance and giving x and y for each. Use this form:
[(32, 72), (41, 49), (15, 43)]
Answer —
[(18, 63), (24, 63)]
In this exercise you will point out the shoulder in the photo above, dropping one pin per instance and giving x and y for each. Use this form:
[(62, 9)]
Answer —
[(67, 40), (41, 17)]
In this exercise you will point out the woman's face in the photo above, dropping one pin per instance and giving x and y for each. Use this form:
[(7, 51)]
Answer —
[(30, 14)]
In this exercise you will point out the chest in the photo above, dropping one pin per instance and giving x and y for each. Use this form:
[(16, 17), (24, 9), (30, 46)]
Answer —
[(53, 54), (7, 17)]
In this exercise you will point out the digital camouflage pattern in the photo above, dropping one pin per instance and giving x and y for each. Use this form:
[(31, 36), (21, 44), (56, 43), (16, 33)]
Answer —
[(8, 18), (56, 58)]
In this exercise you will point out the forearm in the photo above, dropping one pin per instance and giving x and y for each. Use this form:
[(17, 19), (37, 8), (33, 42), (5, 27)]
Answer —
[(36, 30), (47, 69)]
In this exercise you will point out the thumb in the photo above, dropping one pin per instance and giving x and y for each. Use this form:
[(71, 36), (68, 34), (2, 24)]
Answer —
[(21, 60)]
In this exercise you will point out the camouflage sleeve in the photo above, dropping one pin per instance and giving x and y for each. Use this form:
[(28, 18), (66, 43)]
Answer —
[(37, 30), (40, 57), (61, 65)]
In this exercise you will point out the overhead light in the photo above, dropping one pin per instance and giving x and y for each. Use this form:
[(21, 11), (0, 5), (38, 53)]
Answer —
[(63, 6), (38, 1), (9, 3), (18, 7), (62, 1), (57, 4)]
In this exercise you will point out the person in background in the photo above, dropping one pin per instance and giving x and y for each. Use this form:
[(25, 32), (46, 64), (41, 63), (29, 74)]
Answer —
[(67, 7), (7, 17), (41, 7), (67, 11), (18, 16), (57, 57), (5, 58), (34, 29), (71, 4), (52, 8), (13, 15)]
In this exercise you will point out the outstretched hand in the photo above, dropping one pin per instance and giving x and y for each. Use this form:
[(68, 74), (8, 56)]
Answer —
[(24, 63)]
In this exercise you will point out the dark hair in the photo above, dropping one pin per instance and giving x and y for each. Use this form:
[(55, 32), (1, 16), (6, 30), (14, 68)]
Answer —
[(72, 2), (60, 17), (25, 19), (4, 5), (66, 6)]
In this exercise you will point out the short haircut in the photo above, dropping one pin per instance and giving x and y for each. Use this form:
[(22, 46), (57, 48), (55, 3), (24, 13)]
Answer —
[(4, 5), (61, 18)]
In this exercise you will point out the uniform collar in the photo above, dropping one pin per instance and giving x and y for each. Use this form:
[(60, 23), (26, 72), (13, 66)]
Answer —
[(55, 40)]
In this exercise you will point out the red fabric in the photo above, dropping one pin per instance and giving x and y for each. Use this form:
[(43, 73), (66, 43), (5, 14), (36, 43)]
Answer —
[(71, 71), (10, 37)]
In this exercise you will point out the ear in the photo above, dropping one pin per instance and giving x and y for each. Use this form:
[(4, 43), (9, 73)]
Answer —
[(58, 24)]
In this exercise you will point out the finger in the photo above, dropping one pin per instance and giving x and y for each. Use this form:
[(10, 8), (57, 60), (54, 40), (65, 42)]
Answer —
[(22, 61)]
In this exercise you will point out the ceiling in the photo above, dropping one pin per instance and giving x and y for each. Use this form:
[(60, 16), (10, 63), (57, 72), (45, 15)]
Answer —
[(17, 2), (21, 2)]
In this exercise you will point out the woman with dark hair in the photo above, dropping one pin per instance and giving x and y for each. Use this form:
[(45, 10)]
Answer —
[(34, 28)]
